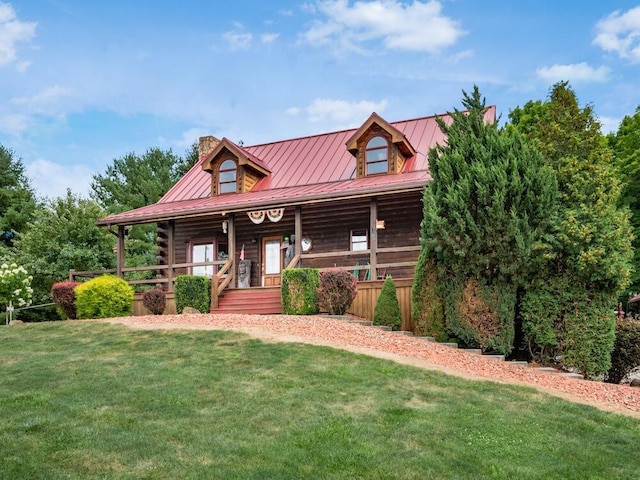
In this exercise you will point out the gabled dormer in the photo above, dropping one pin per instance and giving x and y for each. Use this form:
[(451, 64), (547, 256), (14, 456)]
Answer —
[(233, 169), (379, 147)]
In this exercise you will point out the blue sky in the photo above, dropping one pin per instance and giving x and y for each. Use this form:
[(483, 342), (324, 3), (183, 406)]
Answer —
[(83, 83)]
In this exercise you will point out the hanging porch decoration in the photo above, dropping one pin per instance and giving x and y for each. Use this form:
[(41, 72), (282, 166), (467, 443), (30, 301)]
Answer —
[(256, 216), (275, 214)]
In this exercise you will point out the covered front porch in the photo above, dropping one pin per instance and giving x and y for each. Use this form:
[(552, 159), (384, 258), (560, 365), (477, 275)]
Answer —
[(370, 236)]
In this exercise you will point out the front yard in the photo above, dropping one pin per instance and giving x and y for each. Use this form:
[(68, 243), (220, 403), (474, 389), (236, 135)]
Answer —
[(90, 400)]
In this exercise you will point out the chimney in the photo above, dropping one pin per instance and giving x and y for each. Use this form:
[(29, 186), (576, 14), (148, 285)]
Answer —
[(206, 145)]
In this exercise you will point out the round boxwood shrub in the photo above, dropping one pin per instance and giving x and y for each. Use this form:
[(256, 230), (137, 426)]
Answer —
[(387, 311), (64, 297), (299, 291), (192, 291), (336, 291), (155, 301), (104, 297)]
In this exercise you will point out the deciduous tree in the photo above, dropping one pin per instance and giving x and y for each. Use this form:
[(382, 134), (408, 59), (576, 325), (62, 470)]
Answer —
[(62, 235)]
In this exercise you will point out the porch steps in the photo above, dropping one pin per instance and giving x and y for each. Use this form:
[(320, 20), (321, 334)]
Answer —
[(255, 300)]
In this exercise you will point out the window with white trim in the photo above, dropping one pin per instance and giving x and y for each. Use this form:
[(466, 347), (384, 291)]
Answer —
[(227, 177), (359, 240), (376, 156)]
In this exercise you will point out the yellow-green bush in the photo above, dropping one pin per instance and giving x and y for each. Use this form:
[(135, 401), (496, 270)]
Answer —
[(104, 297)]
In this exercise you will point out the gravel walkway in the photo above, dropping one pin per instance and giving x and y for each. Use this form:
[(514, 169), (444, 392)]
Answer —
[(403, 349)]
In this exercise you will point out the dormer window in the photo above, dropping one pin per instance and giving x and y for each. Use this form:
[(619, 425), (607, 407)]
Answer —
[(227, 177), (233, 169), (377, 156)]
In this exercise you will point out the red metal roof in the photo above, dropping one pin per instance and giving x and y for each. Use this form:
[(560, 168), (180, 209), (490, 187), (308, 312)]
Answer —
[(313, 168)]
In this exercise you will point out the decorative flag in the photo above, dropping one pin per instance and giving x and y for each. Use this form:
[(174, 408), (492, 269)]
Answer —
[(242, 253), (275, 214), (257, 216)]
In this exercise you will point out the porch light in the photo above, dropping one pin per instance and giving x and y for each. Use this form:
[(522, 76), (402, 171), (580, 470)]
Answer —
[(225, 225), (379, 224)]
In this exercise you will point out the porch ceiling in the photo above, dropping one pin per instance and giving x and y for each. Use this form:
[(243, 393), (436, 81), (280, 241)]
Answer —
[(299, 195)]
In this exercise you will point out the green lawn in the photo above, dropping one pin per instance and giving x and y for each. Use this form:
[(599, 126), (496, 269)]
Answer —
[(91, 400)]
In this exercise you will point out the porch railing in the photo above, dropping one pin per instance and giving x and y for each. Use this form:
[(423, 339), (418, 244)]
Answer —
[(217, 286)]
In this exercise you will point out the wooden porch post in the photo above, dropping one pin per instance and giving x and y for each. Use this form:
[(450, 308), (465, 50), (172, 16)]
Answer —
[(120, 251), (373, 243), (231, 241), (298, 232), (171, 254)]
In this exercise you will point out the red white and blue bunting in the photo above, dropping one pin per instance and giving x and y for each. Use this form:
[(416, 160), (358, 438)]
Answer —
[(257, 216), (273, 214)]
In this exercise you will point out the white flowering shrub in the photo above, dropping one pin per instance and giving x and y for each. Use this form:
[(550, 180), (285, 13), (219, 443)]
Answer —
[(15, 286)]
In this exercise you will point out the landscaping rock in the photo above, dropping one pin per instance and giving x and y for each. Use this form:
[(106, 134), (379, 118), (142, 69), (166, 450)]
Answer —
[(635, 382), (189, 310)]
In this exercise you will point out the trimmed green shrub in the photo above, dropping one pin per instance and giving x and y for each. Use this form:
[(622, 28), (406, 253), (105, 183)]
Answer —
[(192, 291), (300, 291), (104, 297), (626, 350), (387, 311), (481, 315), (566, 324), (427, 306), (336, 291), (155, 301), (64, 297)]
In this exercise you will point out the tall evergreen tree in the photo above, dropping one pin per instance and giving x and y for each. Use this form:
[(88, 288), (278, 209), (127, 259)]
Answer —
[(486, 213), (567, 313), (17, 200), (626, 148)]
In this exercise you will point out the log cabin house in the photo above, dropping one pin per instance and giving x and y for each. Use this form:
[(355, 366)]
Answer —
[(349, 199)]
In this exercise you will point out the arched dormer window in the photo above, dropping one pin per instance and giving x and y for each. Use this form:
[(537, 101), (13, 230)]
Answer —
[(227, 177), (377, 156)]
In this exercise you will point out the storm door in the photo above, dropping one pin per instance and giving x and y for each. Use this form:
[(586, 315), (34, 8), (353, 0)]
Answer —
[(271, 261)]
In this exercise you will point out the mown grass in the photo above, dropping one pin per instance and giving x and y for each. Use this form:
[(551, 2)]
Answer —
[(91, 400)]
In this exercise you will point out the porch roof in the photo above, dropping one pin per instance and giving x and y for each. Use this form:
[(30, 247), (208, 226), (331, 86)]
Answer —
[(273, 198)]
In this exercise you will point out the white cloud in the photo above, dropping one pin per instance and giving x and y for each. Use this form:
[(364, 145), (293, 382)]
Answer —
[(345, 114), (45, 101), (12, 31), (51, 179), (269, 37), (620, 33), (609, 124), (419, 26), (293, 111), (237, 39), (576, 72), (190, 136), (14, 123)]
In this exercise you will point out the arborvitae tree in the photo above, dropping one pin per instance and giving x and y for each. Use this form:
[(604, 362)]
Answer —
[(486, 213), (626, 149), (567, 313), (387, 311)]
